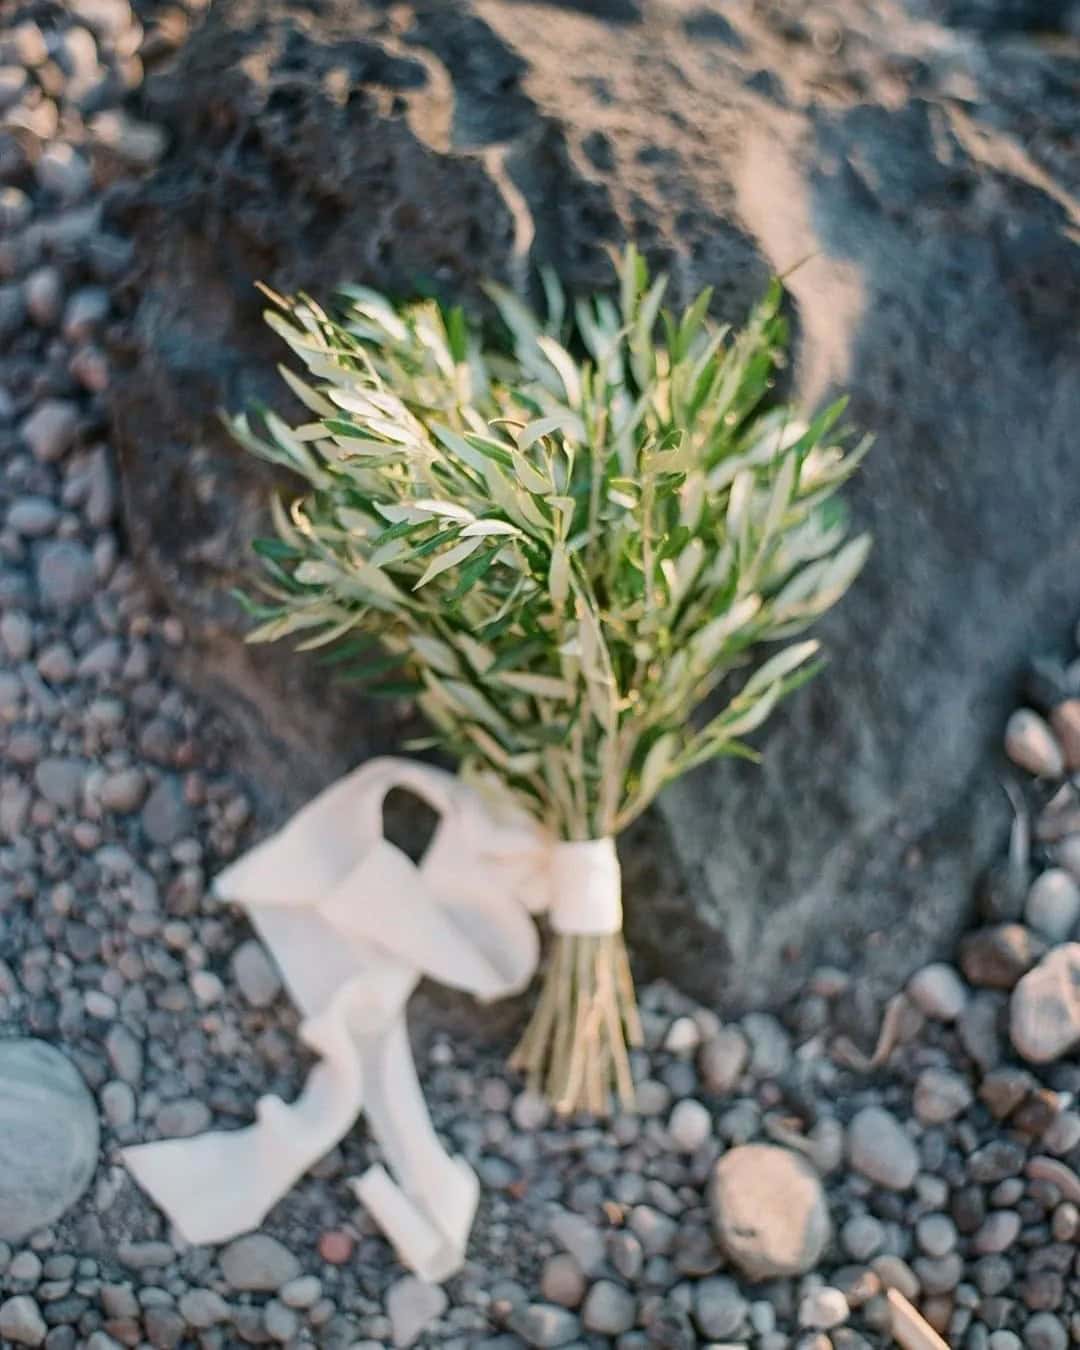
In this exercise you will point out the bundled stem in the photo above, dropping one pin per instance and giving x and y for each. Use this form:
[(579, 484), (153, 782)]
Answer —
[(575, 1048)]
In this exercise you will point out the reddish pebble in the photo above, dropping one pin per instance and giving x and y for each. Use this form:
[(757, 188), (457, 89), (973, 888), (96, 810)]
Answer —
[(335, 1247)]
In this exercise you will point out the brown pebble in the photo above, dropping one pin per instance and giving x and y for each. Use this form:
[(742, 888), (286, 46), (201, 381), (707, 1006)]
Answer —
[(335, 1247), (1042, 1168), (1065, 720)]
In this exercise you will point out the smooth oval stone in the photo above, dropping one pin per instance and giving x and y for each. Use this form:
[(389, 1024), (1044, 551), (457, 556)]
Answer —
[(48, 1136)]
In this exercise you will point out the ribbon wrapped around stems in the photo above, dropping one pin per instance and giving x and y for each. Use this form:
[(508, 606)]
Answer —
[(353, 925)]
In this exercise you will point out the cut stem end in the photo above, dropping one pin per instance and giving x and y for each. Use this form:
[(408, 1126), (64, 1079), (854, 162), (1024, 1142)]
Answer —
[(575, 1048)]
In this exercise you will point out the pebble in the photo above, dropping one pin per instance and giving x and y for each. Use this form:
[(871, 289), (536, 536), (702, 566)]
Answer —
[(62, 170), (609, 1309), (1044, 1331), (33, 517), (255, 974), (85, 312), (50, 429), (335, 1247), (1065, 724), (258, 1262), (1044, 1012), (561, 1280), (936, 1234), (580, 1238), (1053, 905), (166, 815), (940, 1096), (202, 1308), (880, 1150), (125, 1054), (48, 1136), (182, 1119), (722, 1060), (938, 992), (412, 1304), (1031, 744), (998, 1232), (545, 1326), (123, 791), (43, 293), (21, 1321), (302, 1292), (720, 1310), (690, 1125), (770, 1046), (17, 634), (770, 1212), (995, 958), (862, 1237), (65, 574), (823, 1309)]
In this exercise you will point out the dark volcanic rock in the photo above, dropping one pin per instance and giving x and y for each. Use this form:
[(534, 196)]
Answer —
[(930, 176)]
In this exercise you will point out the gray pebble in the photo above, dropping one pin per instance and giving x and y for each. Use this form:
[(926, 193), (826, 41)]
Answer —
[(722, 1059), (166, 816), (43, 293), (770, 1045), (997, 1233), (880, 1150), (689, 1125), (125, 1054), (580, 1238), (941, 1095), (282, 1323), (65, 574), (609, 1309), (258, 1262), (561, 1280), (202, 1308), (50, 429), (85, 312), (544, 1326), (17, 634), (936, 1234), (62, 170), (60, 781), (1044, 1331), (719, 1308), (118, 1103), (33, 517), (255, 974), (182, 1119), (862, 1237)]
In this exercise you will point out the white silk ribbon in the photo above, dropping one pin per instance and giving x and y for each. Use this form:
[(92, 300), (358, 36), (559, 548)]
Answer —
[(353, 925)]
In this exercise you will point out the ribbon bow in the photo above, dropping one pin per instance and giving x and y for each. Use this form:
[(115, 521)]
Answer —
[(354, 924)]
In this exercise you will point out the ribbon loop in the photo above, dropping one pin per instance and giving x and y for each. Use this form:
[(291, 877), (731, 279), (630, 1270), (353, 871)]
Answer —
[(354, 924)]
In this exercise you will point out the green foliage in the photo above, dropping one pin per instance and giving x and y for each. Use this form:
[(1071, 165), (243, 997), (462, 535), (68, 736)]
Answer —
[(564, 546)]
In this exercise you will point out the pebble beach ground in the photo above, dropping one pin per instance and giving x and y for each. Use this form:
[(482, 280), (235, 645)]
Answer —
[(783, 1172)]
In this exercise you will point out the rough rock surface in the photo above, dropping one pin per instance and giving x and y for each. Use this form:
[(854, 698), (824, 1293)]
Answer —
[(922, 159), (48, 1136)]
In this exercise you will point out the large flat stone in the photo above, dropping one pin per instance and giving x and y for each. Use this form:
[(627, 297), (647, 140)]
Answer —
[(48, 1137)]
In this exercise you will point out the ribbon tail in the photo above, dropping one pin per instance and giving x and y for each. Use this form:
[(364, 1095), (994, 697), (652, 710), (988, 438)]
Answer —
[(428, 1211), (223, 1183)]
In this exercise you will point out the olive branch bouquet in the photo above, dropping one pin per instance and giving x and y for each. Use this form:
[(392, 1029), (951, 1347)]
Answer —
[(563, 545)]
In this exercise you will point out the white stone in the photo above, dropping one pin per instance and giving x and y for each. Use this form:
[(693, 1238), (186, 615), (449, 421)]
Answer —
[(1031, 744), (689, 1125), (1044, 1011)]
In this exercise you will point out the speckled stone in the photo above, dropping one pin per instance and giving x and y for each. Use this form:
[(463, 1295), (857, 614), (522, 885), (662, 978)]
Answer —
[(48, 1136)]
